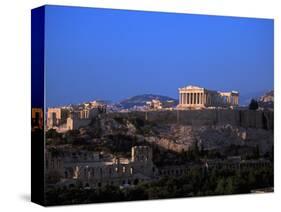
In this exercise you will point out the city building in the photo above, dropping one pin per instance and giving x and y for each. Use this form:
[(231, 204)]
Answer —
[(82, 117), (154, 104), (74, 116), (56, 117), (193, 97)]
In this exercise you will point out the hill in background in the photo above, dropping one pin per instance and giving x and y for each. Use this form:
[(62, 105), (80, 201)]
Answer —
[(140, 100)]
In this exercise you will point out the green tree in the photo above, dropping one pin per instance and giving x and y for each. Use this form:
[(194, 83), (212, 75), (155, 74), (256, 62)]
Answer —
[(254, 105), (220, 186), (229, 187)]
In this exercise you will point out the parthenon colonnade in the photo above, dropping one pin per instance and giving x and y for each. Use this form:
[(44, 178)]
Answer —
[(197, 97)]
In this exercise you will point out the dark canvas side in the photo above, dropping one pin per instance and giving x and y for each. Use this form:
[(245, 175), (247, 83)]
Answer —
[(37, 104)]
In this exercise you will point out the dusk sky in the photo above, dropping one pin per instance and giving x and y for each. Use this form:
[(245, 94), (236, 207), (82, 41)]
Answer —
[(115, 54)]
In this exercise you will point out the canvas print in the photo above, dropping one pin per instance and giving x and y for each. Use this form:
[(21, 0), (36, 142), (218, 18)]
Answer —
[(135, 105)]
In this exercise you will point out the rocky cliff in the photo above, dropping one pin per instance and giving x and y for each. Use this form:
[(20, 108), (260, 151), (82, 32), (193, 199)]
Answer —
[(120, 131)]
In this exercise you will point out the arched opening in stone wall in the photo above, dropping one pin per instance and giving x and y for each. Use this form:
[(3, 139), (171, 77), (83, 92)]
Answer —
[(65, 174)]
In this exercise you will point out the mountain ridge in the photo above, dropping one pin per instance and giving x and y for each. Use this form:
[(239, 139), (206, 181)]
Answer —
[(141, 99)]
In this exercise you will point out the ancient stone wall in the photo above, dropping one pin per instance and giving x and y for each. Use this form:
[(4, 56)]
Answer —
[(242, 118)]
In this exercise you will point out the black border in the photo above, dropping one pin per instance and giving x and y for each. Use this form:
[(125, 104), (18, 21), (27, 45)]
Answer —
[(37, 101)]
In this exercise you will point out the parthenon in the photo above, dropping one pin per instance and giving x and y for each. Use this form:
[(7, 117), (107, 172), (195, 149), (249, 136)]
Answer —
[(193, 97)]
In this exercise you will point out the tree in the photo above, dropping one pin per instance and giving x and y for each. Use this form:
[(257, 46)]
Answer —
[(220, 186), (254, 105), (229, 187), (52, 133)]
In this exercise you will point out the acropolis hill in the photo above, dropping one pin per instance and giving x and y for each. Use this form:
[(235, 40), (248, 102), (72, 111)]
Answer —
[(177, 130), (214, 107)]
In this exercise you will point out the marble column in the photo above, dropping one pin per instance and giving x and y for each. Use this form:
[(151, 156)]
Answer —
[(180, 98), (204, 98), (193, 98)]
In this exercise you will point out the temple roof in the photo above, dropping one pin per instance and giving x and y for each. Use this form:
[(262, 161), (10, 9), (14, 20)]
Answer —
[(192, 87)]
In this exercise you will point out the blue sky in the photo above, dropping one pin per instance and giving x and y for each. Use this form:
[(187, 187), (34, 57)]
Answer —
[(114, 54)]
